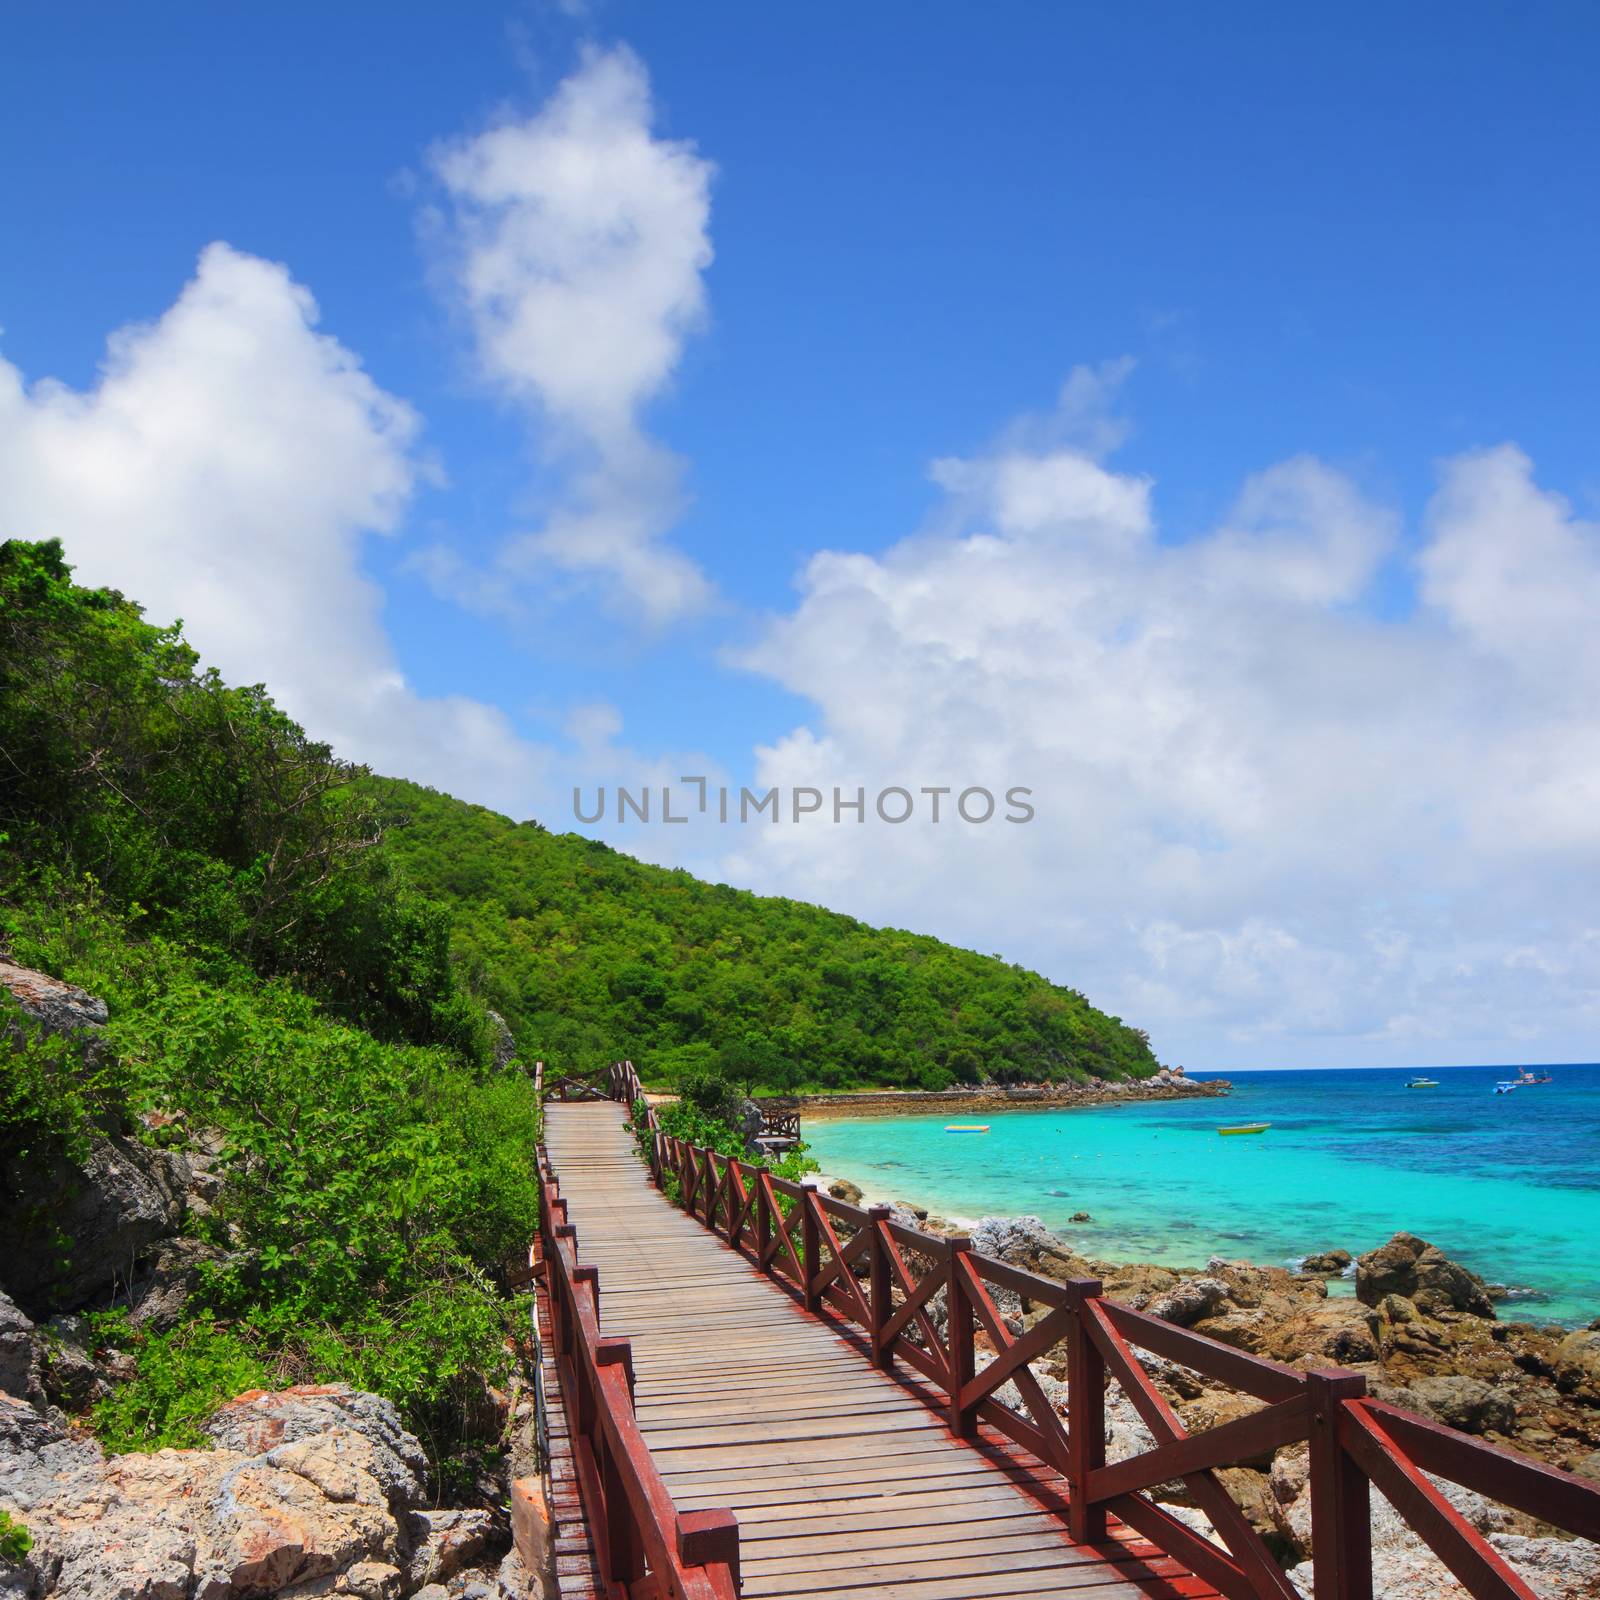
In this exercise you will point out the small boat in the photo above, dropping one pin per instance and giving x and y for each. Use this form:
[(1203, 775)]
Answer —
[(1527, 1076), (1506, 1085), (966, 1127), (1423, 1083), (1245, 1127)]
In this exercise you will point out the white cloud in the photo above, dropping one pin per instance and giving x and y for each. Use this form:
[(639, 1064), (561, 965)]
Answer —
[(226, 468), (576, 242), (1265, 815)]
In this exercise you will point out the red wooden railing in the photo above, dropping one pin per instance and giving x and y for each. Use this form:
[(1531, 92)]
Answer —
[(898, 1285), (645, 1548)]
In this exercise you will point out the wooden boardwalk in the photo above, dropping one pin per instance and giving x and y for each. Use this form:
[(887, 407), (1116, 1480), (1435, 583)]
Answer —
[(844, 1482)]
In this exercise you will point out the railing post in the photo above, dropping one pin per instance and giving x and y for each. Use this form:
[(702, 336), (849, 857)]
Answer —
[(763, 1226), (586, 1278), (1341, 1514), (707, 1538), (810, 1245), (624, 1546), (958, 1335), (1086, 1415), (882, 1303)]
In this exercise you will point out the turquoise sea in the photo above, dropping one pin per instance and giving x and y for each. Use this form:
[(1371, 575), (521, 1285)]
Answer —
[(1507, 1184)]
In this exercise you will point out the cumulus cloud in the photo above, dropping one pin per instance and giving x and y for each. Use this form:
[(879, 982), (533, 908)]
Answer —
[(226, 468), (576, 241), (1268, 810)]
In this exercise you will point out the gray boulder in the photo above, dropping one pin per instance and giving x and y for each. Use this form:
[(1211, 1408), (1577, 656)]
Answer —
[(19, 1354), (53, 1007), (1458, 1401), (167, 1277)]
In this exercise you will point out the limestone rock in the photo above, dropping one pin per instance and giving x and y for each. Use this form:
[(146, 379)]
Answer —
[(1424, 1274), (72, 1377), (1025, 1242), (844, 1189), (261, 1419), (445, 1542), (312, 1493)]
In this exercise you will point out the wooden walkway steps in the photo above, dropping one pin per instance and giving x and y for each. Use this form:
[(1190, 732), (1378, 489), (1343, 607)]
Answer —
[(843, 1480)]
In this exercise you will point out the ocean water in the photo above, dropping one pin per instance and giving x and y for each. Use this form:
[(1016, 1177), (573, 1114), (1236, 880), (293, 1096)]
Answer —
[(1507, 1184)]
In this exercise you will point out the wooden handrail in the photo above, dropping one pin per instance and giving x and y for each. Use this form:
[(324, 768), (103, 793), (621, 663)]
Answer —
[(645, 1548), (821, 1249)]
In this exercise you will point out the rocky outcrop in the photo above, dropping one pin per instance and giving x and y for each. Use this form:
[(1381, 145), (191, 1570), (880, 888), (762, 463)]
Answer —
[(503, 1045), (260, 1420), (1577, 1362), (1423, 1274), (1189, 1300), (316, 1491), (104, 1224), (1461, 1402), (20, 1373), (53, 1007), (1329, 1263), (79, 1228)]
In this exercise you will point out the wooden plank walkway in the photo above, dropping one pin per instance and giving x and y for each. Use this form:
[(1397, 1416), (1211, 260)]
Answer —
[(843, 1480)]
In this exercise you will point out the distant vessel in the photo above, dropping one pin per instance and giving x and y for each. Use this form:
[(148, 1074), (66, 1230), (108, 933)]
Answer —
[(1245, 1127), (1423, 1083), (966, 1127), (1525, 1076)]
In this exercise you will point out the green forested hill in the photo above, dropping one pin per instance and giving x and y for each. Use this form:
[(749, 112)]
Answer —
[(591, 955), (300, 958)]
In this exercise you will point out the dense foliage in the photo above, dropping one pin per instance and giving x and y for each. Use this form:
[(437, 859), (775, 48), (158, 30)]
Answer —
[(592, 956), (182, 850)]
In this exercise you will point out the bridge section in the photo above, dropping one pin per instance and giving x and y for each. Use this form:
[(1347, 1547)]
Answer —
[(843, 1481), (768, 1391)]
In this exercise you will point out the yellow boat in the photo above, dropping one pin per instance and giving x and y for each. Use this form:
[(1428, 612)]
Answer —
[(1246, 1127), (966, 1127)]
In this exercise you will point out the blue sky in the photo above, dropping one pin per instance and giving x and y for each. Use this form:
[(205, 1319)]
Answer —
[(1361, 240)]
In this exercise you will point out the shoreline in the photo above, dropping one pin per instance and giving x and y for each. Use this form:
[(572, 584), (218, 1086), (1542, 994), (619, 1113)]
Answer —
[(1041, 1097)]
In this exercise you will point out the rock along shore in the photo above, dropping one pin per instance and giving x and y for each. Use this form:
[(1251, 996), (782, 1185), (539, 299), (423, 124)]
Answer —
[(990, 1097)]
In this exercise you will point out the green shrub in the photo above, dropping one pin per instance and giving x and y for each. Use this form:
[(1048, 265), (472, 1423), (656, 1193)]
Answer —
[(15, 1540), (183, 1377)]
